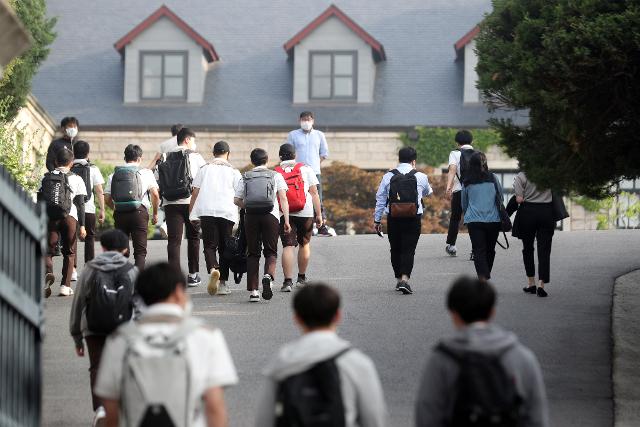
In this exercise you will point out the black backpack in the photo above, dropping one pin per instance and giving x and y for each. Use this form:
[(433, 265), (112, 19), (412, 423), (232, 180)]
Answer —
[(126, 188), (403, 194), (465, 157), (486, 395), (84, 172), (312, 398), (56, 193), (110, 299), (175, 175), (235, 251)]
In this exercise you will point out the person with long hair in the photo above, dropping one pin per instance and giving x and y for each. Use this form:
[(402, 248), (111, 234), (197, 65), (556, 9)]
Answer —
[(481, 215)]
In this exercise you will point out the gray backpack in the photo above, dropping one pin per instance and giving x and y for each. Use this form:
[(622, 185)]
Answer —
[(126, 188), (156, 379), (259, 188)]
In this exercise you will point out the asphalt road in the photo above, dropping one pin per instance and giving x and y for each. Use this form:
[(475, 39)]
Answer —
[(570, 331)]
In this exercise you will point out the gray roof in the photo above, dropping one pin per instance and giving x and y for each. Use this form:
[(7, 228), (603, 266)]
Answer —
[(420, 83)]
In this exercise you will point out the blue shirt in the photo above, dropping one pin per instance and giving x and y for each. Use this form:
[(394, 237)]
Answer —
[(382, 196), (310, 147), (479, 202)]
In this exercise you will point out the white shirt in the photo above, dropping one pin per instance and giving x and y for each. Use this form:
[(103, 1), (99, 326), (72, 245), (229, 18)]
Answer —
[(454, 159), (280, 184), (168, 145), (196, 161), (217, 182), (210, 363), (148, 183), (309, 177), (96, 179), (382, 196)]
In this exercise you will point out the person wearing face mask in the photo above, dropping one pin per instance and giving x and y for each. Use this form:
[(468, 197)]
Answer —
[(69, 128), (176, 177), (311, 149)]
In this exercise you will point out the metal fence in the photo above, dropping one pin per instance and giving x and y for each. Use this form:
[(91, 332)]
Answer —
[(22, 231)]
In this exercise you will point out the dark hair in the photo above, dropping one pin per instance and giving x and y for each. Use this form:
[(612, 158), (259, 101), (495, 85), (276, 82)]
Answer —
[(464, 137), (81, 150), (114, 240), (176, 128), (471, 298), (184, 133), (132, 153), (69, 121), (64, 156), (407, 155), (306, 114), (259, 157), (158, 281), (287, 152), (478, 169), (220, 147), (316, 305)]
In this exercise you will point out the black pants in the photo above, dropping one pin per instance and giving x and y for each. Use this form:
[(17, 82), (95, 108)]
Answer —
[(484, 236), (262, 234), (535, 222), (135, 225), (456, 216), (65, 231), (90, 240), (214, 232), (95, 345), (403, 239), (177, 217)]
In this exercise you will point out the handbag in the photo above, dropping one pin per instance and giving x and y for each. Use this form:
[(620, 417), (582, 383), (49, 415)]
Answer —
[(235, 251), (505, 220), (513, 206), (559, 209)]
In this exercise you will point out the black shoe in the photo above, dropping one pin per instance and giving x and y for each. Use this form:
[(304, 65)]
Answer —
[(541, 292), (194, 281), (530, 289), (267, 293), (398, 286), (58, 250), (404, 288)]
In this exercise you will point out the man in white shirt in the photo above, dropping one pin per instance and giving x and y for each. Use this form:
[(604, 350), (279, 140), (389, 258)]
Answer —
[(212, 204), (176, 209), (166, 146), (259, 192), (64, 228), (301, 220), (209, 367), (134, 221), (454, 187)]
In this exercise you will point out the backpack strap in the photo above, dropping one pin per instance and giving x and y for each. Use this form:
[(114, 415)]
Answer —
[(395, 171), (298, 166), (412, 173), (279, 169)]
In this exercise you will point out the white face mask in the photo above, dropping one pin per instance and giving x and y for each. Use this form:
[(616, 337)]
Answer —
[(306, 125), (71, 132)]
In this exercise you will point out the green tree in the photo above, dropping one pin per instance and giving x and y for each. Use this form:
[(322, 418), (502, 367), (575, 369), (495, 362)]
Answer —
[(16, 80), (574, 66)]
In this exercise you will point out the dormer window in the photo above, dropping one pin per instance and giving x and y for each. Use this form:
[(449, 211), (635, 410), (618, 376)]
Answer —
[(466, 51), (164, 75), (333, 75)]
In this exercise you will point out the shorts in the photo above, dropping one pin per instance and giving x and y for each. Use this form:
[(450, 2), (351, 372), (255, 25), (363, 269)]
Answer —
[(301, 231)]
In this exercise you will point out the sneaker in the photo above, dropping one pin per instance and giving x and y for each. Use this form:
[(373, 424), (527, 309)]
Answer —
[(398, 286), (48, 281), (254, 296), (214, 278), (451, 250), (286, 286), (267, 294), (58, 250), (301, 282), (404, 288), (74, 275), (193, 281), (163, 230), (223, 289), (99, 418), (324, 231), (65, 291)]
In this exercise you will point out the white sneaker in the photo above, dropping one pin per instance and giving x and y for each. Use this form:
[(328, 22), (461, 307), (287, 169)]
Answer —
[(451, 250), (223, 289), (74, 275), (163, 230), (99, 417), (65, 291), (214, 277), (254, 296)]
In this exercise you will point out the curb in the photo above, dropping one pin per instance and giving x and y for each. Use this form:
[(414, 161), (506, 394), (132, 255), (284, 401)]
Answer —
[(625, 325)]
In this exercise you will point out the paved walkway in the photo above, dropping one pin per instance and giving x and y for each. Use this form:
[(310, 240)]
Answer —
[(570, 331)]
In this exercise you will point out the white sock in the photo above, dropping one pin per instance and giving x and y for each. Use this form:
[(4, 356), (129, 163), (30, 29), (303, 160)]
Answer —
[(193, 275)]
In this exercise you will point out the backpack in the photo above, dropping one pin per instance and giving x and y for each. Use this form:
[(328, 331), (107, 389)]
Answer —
[(296, 196), (486, 395), (235, 251), (157, 376), (403, 194), (110, 299), (175, 176), (126, 189), (465, 157), (56, 193), (259, 188), (84, 172), (312, 398)]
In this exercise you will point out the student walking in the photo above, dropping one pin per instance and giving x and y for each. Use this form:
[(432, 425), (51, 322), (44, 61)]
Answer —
[(311, 149), (69, 129), (176, 176), (131, 192), (458, 169), (399, 197), (501, 377), (258, 193), (93, 181), (481, 216), (535, 223), (303, 199), (63, 192), (320, 363), (102, 301), (181, 365), (212, 204)]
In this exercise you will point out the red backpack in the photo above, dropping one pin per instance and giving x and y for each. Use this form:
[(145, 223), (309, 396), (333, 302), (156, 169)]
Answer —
[(296, 196)]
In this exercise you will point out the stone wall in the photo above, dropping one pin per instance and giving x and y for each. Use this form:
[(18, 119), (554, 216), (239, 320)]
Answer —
[(37, 127)]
